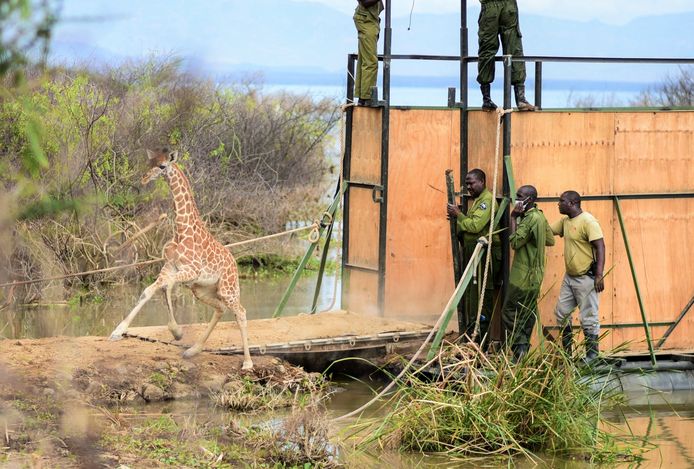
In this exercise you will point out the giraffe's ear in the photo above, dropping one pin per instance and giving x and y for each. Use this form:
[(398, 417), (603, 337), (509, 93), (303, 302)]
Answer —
[(173, 156), (151, 155)]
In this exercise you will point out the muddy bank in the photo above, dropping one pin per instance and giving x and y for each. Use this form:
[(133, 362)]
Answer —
[(102, 372)]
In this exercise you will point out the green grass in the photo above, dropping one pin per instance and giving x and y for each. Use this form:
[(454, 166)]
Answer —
[(273, 265), (488, 406)]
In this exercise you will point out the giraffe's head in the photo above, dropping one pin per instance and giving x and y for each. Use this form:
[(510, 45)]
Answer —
[(160, 162)]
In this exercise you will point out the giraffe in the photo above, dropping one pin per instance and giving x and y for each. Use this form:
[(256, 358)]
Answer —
[(193, 257)]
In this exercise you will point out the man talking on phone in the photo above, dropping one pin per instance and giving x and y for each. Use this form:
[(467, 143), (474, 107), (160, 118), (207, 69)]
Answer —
[(530, 233)]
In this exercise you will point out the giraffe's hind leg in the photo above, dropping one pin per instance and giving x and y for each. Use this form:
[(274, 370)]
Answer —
[(207, 295), (231, 295)]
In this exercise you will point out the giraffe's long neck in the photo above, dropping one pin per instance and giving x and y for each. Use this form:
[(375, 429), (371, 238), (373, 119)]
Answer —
[(187, 214)]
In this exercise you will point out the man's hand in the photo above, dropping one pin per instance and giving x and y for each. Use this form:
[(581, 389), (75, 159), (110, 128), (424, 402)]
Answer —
[(518, 209), (599, 283), (452, 211)]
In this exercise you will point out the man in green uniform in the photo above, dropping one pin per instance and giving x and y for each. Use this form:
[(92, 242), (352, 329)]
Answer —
[(368, 23), (500, 18), (469, 228), (530, 233), (584, 257)]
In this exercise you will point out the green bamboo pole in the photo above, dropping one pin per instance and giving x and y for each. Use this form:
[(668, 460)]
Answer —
[(511, 178), (321, 269), (636, 280), (283, 302), (457, 295), (450, 189)]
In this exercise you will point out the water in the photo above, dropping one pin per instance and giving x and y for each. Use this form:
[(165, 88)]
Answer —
[(438, 96), (666, 418), (99, 317)]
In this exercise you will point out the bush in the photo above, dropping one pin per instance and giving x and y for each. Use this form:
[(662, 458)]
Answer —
[(254, 161)]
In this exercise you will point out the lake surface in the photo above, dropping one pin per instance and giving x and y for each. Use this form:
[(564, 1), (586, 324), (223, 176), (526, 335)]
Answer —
[(667, 419)]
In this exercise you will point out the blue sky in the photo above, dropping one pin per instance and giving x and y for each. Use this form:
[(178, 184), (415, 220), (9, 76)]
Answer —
[(306, 41)]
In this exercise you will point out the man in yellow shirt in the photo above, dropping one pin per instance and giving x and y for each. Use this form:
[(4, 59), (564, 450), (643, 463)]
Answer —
[(584, 257)]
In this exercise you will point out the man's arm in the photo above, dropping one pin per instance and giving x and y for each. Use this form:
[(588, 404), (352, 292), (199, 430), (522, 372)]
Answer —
[(522, 233), (475, 221), (599, 248), (558, 227), (549, 235)]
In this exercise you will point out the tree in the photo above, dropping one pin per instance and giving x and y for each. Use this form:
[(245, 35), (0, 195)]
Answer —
[(677, 90)]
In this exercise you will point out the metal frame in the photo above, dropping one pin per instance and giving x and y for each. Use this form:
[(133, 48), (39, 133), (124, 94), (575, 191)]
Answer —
[(464, 59)]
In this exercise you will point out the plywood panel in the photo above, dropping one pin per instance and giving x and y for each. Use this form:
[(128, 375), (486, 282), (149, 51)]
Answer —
[(482, 143), (654, 152), (363, 228), (659, 234), (361, 292), (560, 151), (554, 273), (366, 145), (423, 145)]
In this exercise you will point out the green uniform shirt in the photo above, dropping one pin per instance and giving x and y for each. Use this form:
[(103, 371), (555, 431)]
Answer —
[(373, 11), (532, 234), (578, 232), (476, 223)]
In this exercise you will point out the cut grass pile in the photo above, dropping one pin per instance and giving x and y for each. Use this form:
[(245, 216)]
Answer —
[(481, 406)]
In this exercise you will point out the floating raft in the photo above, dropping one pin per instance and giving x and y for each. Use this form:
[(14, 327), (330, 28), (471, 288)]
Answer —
[(314, 341)]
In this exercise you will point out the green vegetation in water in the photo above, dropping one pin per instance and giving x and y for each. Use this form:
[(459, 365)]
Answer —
[(272, 265), (485, 406), (299, 440)]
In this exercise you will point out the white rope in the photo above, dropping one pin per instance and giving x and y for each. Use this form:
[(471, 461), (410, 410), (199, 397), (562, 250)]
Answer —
[(500, 113)]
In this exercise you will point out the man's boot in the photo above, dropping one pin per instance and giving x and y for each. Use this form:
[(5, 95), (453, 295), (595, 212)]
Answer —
[(521, 102), (487, 103), (567, 340), (591, 347), (519, 351)]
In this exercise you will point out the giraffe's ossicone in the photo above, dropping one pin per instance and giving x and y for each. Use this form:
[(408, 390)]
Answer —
[(193, 257)]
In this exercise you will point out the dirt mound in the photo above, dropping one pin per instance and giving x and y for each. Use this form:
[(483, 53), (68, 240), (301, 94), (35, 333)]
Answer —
[(99, 371)]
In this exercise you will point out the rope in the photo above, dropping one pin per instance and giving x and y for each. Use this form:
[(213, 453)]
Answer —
[(500, 113), (480, 244), (313, 227)]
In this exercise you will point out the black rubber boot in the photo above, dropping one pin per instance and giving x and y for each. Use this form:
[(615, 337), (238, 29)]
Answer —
[(567, 340), (521, 102), (519, 351), (487, 103), (591, 347)]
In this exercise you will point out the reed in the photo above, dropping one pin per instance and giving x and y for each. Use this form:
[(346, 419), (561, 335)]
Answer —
[(481, 406)]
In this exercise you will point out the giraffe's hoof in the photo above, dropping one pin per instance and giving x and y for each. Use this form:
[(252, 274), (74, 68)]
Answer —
[(176, 332), (115, 336), (191, 352), (247, 365), (118, 332)]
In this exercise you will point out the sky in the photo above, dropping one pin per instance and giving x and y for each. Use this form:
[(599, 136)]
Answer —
[(605, 11), (306, 42)]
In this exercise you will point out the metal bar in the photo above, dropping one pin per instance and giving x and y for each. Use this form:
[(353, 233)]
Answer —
[(675, 323), (361, 267), (295, 278), (323, 259), (538, 85), (659, 195), (505, 246), (385, 133), (642, 308), (455, 299), (547, 58), (346, 170), (626, 325), (362, 184), (464, 98)]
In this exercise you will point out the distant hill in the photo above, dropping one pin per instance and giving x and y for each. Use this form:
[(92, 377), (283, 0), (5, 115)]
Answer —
[(294, 42)]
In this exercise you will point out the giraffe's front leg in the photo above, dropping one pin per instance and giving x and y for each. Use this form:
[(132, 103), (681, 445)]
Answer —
[(118, 332)]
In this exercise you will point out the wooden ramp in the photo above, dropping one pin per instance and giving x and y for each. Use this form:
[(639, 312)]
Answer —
[(313, 341)]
